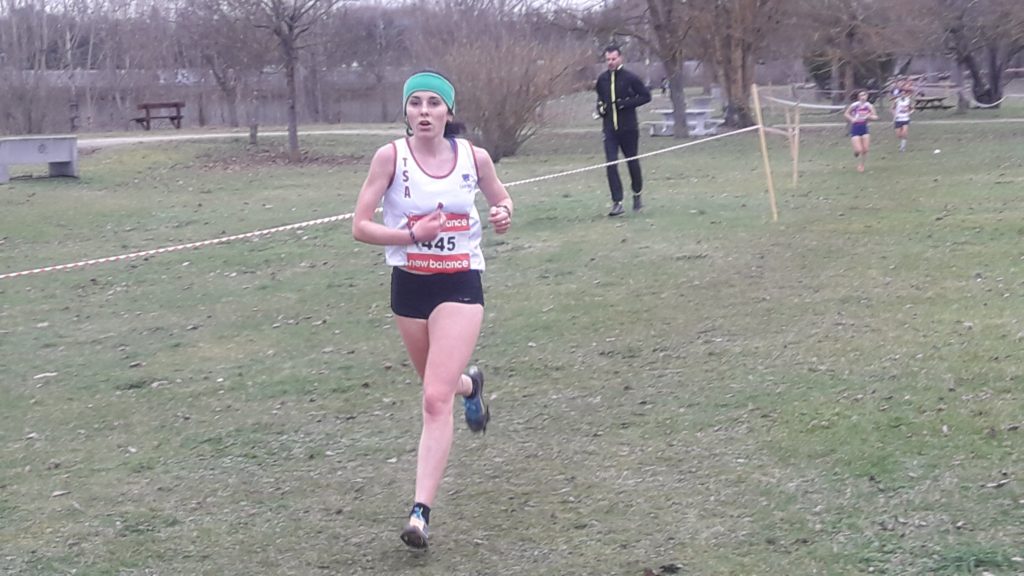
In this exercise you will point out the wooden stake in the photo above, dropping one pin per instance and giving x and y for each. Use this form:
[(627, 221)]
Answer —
[(789, 133), (764, 153), (796, 146)]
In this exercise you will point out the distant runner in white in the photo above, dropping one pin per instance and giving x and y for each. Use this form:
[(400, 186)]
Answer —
[(902, 108)]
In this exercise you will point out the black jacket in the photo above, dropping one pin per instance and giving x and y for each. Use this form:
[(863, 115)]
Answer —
[(630, 92)]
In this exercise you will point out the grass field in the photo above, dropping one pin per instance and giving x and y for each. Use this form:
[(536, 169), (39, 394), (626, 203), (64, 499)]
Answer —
[(692, 390)]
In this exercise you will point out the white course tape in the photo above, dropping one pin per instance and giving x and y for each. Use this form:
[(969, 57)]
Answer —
[(637, 157), (337, 218), (802, 105), (177, 248)]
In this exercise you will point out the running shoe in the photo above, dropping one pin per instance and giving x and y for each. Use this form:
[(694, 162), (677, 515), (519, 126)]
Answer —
[(617, 209), (478, 414), (415, 532), (637, 202)]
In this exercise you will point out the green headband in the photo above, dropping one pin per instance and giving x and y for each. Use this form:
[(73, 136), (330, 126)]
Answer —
[(430, 82)]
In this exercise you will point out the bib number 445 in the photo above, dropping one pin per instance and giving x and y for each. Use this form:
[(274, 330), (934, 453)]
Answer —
[(440, 244)]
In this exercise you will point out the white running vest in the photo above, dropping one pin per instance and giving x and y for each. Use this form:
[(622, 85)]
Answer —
[(902, 109), (413, 193)]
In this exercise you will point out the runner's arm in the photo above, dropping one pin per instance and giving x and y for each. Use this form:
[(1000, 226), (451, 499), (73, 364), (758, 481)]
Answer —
[(364, 228), (501, 206)]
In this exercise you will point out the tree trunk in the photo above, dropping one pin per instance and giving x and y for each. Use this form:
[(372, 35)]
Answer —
[(201, 109), (290, 57), (837, 96), (227, 81), (737, 70), (73, 113), (254, 118), (90, 112), (849, 74), (978, 86), (44, 42), (312, 82), (677, 94), (385, 114), (961, 97), (995, 75), (231, 99)]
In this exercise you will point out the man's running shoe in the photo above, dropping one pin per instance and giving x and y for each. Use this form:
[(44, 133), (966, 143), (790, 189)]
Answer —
[(477, 412), (415, 532)]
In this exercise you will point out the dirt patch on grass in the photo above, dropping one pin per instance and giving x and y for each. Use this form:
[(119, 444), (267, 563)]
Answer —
[(264, 157)]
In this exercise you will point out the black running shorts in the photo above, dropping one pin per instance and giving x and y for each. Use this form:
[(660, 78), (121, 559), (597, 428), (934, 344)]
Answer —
[(416, 295)]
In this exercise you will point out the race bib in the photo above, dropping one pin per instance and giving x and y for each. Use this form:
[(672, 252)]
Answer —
[(447, 253)]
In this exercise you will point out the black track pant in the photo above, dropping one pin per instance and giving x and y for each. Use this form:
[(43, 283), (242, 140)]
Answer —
[(629, 142)]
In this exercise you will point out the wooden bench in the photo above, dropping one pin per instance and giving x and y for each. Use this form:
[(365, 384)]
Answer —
[(160, 111), (59, 152)]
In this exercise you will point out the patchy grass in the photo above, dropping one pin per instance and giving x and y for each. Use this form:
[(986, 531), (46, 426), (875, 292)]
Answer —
[(693, 388)]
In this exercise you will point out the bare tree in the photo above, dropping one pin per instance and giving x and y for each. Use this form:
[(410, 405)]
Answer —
[(375, 39), (289, 21), (670, 23), (506, 63), (71, 27), (856, 39), (24, 42), (231, 50), (982, 37), (734, 33)]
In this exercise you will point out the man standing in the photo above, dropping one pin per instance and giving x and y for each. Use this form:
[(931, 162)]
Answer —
[(619, 93)]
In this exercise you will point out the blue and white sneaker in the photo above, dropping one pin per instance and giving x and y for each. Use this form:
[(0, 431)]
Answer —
[(478, 414), (415, 532)]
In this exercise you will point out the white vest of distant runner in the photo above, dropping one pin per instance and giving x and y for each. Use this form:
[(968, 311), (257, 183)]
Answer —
[(902, 109), (413, 194)]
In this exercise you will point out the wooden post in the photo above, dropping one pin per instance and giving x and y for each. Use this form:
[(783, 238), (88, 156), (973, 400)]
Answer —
[(796, 145), (789, 130), (764, 153)]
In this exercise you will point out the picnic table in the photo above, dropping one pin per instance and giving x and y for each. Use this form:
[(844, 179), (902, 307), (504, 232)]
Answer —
[(698, 120), (160, 111), (931, 103)]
